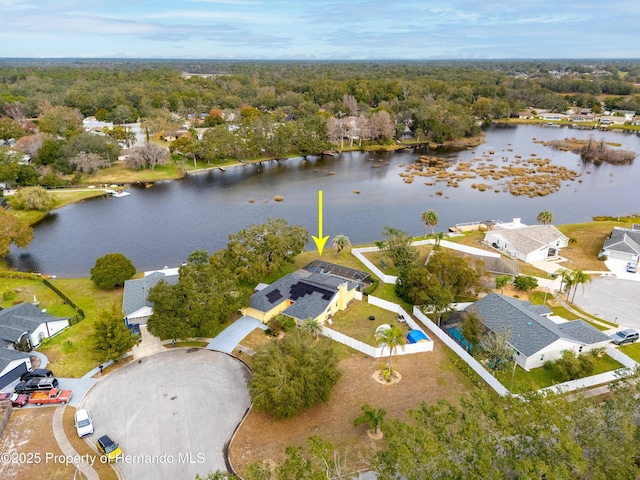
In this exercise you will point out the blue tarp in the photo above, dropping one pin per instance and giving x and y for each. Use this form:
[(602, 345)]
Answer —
[(415, 336)]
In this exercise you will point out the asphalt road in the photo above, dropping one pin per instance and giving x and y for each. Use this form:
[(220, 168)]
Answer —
[(613, 299), (172, 413)]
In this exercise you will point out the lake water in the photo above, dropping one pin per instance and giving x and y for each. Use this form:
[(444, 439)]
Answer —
[(160, 226)]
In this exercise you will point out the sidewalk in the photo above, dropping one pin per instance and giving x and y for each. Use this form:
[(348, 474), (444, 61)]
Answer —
[(58, 432)]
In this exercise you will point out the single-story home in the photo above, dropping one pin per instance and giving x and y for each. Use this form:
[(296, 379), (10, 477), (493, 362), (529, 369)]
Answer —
[(301, 295), (612, 120), (535, 336), (23, 325), (526, 243), (622, 244), (25, 322), (135, 302), (553, 116)]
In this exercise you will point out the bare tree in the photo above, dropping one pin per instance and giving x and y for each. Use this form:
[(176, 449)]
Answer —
[(148, 155), (31, 144), (350, 103), (89, 162), (15, 112), (381, 125)]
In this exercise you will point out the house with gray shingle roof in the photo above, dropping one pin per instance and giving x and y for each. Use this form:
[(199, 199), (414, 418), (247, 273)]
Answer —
[(302, 294), (526, 243), (535, 336), (28, 325), (135, 301), (622, 244), (26, 322)]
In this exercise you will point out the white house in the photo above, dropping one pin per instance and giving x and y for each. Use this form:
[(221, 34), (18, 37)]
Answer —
[(622, 244), (526, 243), (26, 322), (23, 325), (135, 302), (535, 336)]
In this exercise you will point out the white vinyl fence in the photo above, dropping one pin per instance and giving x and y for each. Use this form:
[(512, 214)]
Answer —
[(570, 386), (377, 352), (461, 352), (357, 252)]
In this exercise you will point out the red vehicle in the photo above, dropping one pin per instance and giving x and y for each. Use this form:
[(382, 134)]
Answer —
[(54, 395), (18, 400)]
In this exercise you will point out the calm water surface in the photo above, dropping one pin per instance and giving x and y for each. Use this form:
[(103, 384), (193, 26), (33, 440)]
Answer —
[(160, 226)]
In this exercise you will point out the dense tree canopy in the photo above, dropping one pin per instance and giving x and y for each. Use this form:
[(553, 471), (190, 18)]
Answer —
[(293, 373), (203, 299), (111, 337), (261, 250), (112, 270), (512, 437), (13, 231)]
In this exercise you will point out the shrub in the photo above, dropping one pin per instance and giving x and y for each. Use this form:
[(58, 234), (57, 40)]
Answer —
[(525, 282), (33, 198), (112, 270), (371, 288), (9, 295)]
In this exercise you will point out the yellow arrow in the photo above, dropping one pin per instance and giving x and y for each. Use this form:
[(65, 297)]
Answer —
[(320, 240)]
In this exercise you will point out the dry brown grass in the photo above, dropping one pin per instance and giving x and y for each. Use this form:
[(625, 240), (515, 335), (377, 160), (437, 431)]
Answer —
[(30, 432), (426, 377)]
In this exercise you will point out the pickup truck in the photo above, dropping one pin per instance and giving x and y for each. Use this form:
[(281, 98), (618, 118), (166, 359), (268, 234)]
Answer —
[(54, 395)]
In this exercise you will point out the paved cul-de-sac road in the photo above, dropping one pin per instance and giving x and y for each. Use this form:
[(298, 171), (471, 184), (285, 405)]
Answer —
[(172, 412)]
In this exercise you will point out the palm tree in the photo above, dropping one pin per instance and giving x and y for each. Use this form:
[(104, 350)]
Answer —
[(313, 326), (374, 418), (579, 278), (340, 242), (430, 219), (438, 238), (391, 338), (562, 273), (545, 217)]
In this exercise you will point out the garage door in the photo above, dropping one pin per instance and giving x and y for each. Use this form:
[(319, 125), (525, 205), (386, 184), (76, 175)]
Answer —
[(620, 256), (12, 375)]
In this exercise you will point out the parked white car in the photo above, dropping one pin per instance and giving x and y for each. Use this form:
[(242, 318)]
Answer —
[(84, 426)]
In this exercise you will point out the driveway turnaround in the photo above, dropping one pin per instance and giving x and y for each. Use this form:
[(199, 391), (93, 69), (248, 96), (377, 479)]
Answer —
[(172, 413), (612, 299), (229, 338)]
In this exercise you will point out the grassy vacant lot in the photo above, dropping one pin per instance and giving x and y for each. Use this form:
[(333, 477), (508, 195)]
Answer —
[(426, 377), (376, 257)]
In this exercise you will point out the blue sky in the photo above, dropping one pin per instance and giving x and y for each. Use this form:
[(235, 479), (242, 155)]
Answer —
[(317, 29)]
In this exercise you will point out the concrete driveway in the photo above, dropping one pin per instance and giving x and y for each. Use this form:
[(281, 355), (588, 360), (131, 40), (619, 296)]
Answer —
[(613, 299), (172, 412)]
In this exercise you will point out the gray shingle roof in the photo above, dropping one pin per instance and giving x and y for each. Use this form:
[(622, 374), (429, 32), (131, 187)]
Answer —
[(7, 356), (529, 239), (623, 240), (24, 317), (136, 291), (530, 330), (311, 292)]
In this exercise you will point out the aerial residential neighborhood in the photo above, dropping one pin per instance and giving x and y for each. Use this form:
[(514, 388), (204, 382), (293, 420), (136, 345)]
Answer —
[(245, 240)]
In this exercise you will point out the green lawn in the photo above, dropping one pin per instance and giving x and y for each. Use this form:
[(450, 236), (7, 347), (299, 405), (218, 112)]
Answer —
[(631, 350), (354, 321), (539, 378), (69, 352)]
